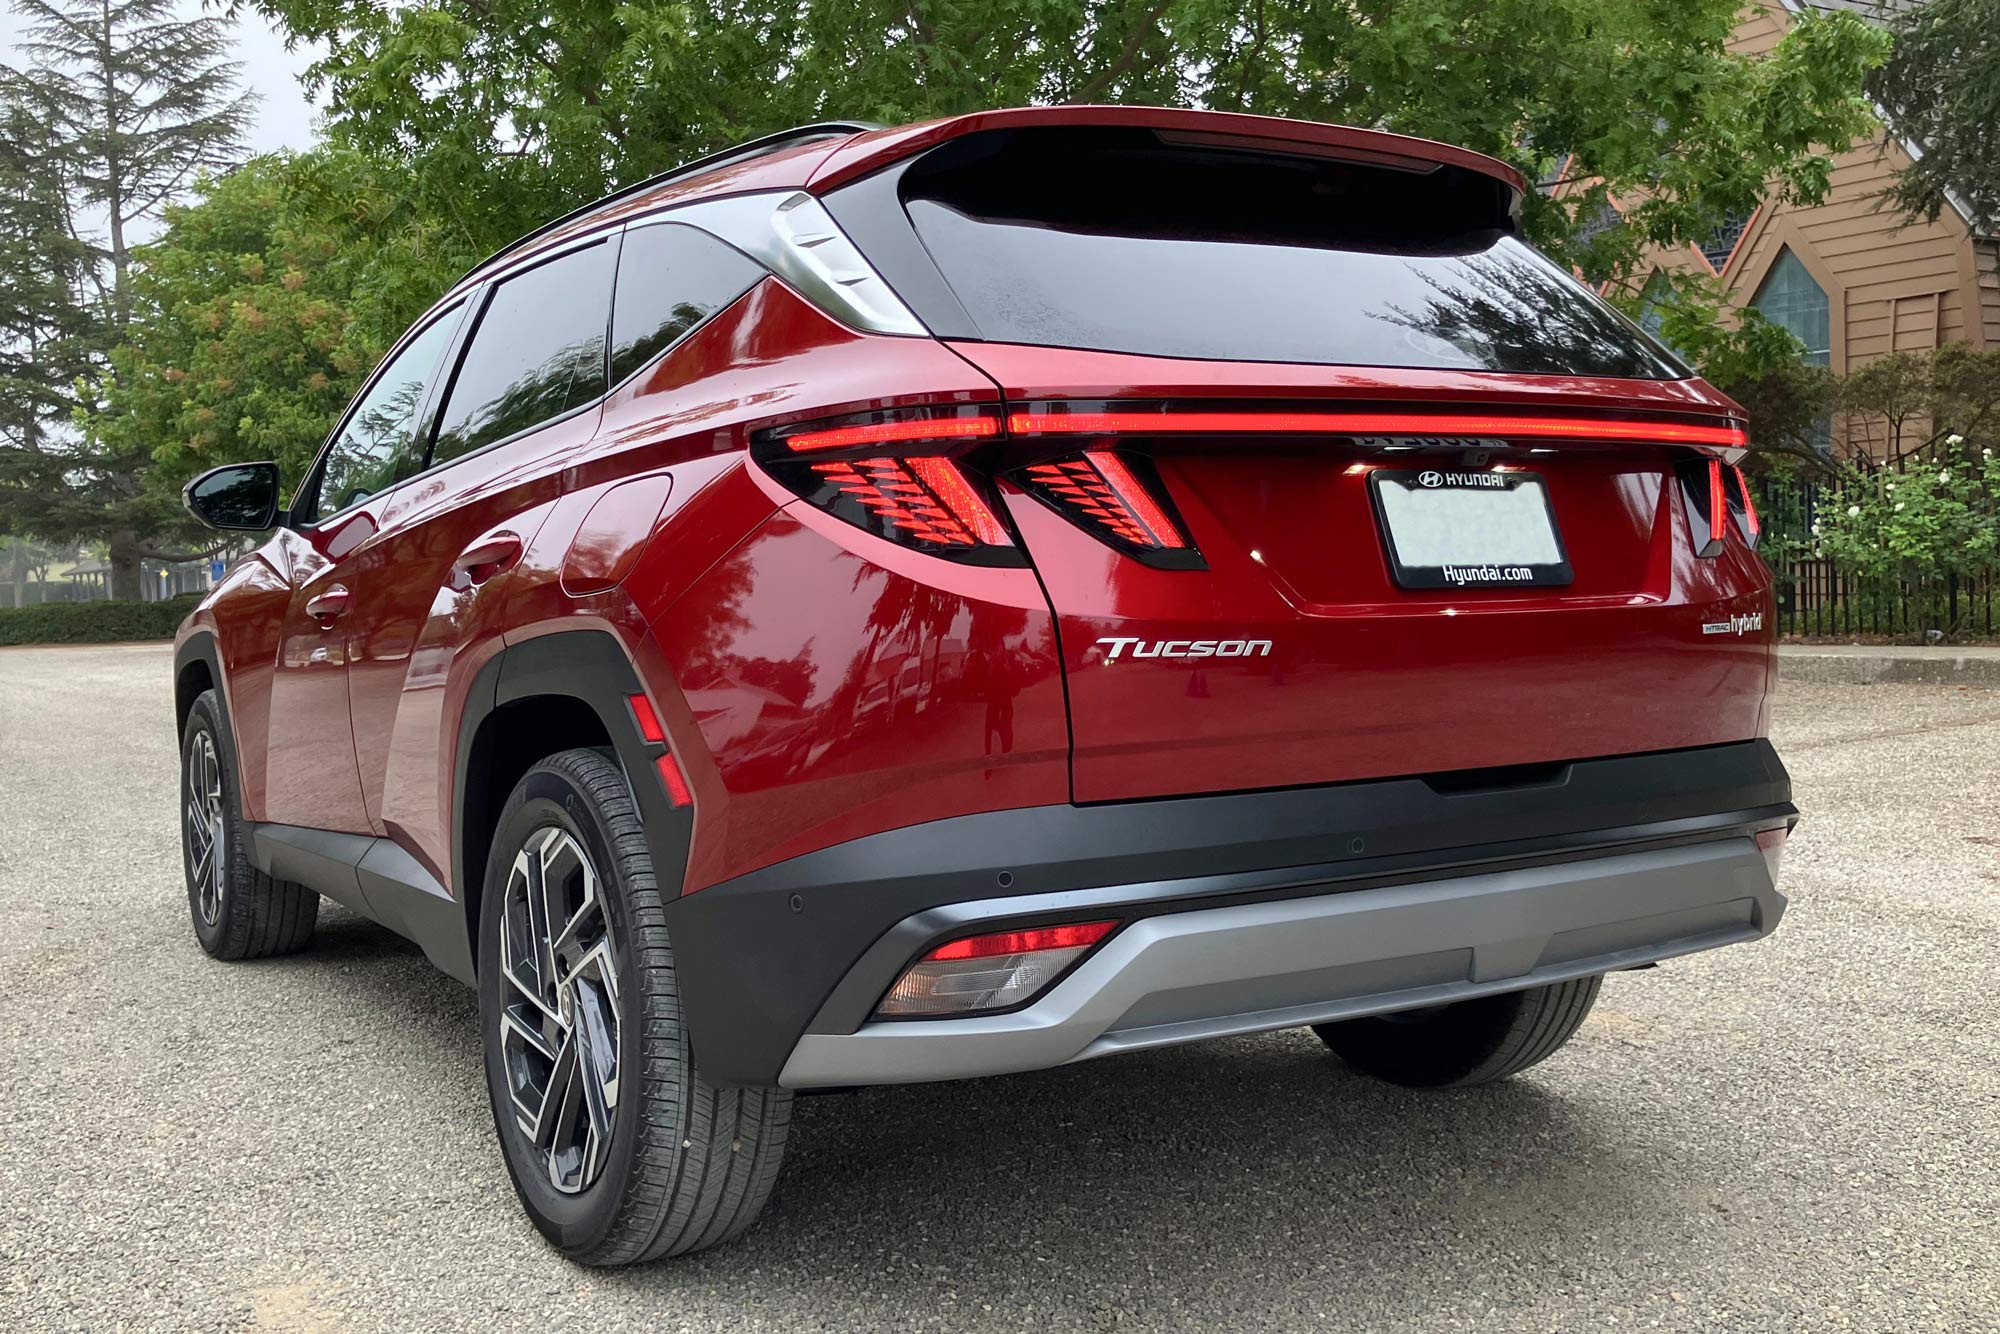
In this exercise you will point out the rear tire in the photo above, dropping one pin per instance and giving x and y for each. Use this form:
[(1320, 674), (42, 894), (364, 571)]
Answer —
[(1465, 1043), (239, 912), (637, 1155)]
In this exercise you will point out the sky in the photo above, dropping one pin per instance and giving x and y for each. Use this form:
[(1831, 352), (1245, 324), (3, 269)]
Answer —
[(283, 118)]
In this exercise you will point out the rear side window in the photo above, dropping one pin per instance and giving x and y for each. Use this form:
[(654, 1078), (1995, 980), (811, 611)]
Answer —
[(671, 278), (1128, 241), (537, 353)]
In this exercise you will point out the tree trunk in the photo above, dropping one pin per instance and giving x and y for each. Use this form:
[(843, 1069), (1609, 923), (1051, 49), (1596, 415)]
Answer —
[(20, 572), (125, 565)]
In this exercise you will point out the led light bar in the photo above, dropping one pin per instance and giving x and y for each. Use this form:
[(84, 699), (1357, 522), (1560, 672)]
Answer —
[(896, 430), (1372, 423)]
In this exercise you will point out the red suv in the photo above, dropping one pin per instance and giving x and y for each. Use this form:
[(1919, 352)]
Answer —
[(910, 604)]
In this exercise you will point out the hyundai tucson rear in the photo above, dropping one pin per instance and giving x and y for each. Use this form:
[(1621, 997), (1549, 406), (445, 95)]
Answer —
[(988, 595)]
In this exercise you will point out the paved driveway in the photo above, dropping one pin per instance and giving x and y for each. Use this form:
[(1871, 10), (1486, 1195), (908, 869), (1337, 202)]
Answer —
[(1802, 1134)]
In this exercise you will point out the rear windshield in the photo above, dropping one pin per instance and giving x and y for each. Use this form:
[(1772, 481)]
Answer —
[(1128, 244)]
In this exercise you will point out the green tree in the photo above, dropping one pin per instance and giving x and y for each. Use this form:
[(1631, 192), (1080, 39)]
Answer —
[(44, 336), (1941, 89), (257, 313), (510, 111), (137, 103)]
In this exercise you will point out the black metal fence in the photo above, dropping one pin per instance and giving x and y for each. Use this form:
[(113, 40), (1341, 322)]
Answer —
[(1817, 596)]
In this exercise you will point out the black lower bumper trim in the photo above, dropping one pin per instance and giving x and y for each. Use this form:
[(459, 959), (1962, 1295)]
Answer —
[(813, 941)]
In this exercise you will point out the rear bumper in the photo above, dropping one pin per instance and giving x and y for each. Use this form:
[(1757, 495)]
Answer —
[(1256, 966), (1242, 911)]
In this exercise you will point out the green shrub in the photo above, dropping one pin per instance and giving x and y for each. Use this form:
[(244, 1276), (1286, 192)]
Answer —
[(94, 622)]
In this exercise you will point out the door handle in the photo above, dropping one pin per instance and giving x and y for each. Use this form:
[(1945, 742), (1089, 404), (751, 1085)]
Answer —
[(327, 607), (488, 558)]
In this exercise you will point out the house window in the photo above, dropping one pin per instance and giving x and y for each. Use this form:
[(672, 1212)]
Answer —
[(1723, 244), (1654, 303), (1791, 298)]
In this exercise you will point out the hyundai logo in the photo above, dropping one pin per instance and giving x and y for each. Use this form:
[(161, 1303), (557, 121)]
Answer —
[(1431, 478)]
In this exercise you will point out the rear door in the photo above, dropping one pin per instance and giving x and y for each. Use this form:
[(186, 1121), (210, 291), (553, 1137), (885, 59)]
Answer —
[(1328, 476), (521, 403)]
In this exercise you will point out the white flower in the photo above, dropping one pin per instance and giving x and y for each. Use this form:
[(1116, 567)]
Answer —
[(1853, 511), (1899, 507), (1892, 488), (1944, 474), (1816, 529), (1954, 439), (1985, 453)]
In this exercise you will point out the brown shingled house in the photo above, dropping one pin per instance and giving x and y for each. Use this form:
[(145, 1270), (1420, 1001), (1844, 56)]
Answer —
[(1852, 277)]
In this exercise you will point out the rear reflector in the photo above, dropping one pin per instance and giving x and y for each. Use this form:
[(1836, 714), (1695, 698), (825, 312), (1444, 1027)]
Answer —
[(989, 972), (1372, 423), (649, 722), (675, 781)]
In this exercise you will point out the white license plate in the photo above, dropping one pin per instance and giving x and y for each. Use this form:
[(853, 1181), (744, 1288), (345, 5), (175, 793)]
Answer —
[(1476, 529)]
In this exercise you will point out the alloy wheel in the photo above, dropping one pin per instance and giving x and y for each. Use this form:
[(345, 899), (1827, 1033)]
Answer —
[(560, 1013), (207, 862)]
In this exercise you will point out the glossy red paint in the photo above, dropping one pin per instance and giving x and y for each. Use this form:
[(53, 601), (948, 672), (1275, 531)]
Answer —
[(1363, 679), (840, 685), (866, 153), (614, 534), (815, 683)]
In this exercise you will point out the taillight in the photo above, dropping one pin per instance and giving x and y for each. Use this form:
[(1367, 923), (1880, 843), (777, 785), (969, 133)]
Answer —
[(1742, 508), (891, 474), (1703, 489), (989, 972), (1119, 500)]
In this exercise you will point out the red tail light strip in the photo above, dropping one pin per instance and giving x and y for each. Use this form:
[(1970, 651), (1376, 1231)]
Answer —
[(1749, 505), (1136, 499), (908, 429), (1718, 503), (927, 498), (1371, 423), (948, 484), (1100, 488)]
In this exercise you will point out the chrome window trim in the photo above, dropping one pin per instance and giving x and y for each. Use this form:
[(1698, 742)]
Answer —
[(790, 233)]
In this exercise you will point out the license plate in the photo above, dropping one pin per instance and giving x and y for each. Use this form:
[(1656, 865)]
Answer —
[(1468, 529)]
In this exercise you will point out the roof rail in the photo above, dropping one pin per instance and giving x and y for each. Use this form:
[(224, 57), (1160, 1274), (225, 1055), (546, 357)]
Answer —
[(748, 149)]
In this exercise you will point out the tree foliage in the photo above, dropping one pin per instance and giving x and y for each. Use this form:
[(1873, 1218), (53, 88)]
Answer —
[(259, 310), (1942, 90), (130, 104), (511, 111)]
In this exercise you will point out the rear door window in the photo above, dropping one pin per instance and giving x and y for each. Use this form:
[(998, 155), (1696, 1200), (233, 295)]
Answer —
[(537, 352), (671, 278), (1124, 243)]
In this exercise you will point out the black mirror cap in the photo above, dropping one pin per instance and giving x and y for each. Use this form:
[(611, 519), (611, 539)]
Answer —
[(237, 497)]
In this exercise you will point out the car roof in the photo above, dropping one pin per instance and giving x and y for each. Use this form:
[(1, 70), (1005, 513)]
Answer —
[(826, 155)]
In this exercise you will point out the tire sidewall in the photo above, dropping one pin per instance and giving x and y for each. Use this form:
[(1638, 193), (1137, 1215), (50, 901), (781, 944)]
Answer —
[(575, 1223), (203, 718)]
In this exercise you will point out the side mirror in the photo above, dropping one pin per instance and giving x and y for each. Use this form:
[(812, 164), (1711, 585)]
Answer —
[(237, 497)]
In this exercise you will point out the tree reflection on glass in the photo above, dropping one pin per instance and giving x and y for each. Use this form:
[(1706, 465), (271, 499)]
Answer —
[(1511, 308)]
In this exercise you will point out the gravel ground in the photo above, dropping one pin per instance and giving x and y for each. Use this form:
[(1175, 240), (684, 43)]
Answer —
[(1799, 1134)]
